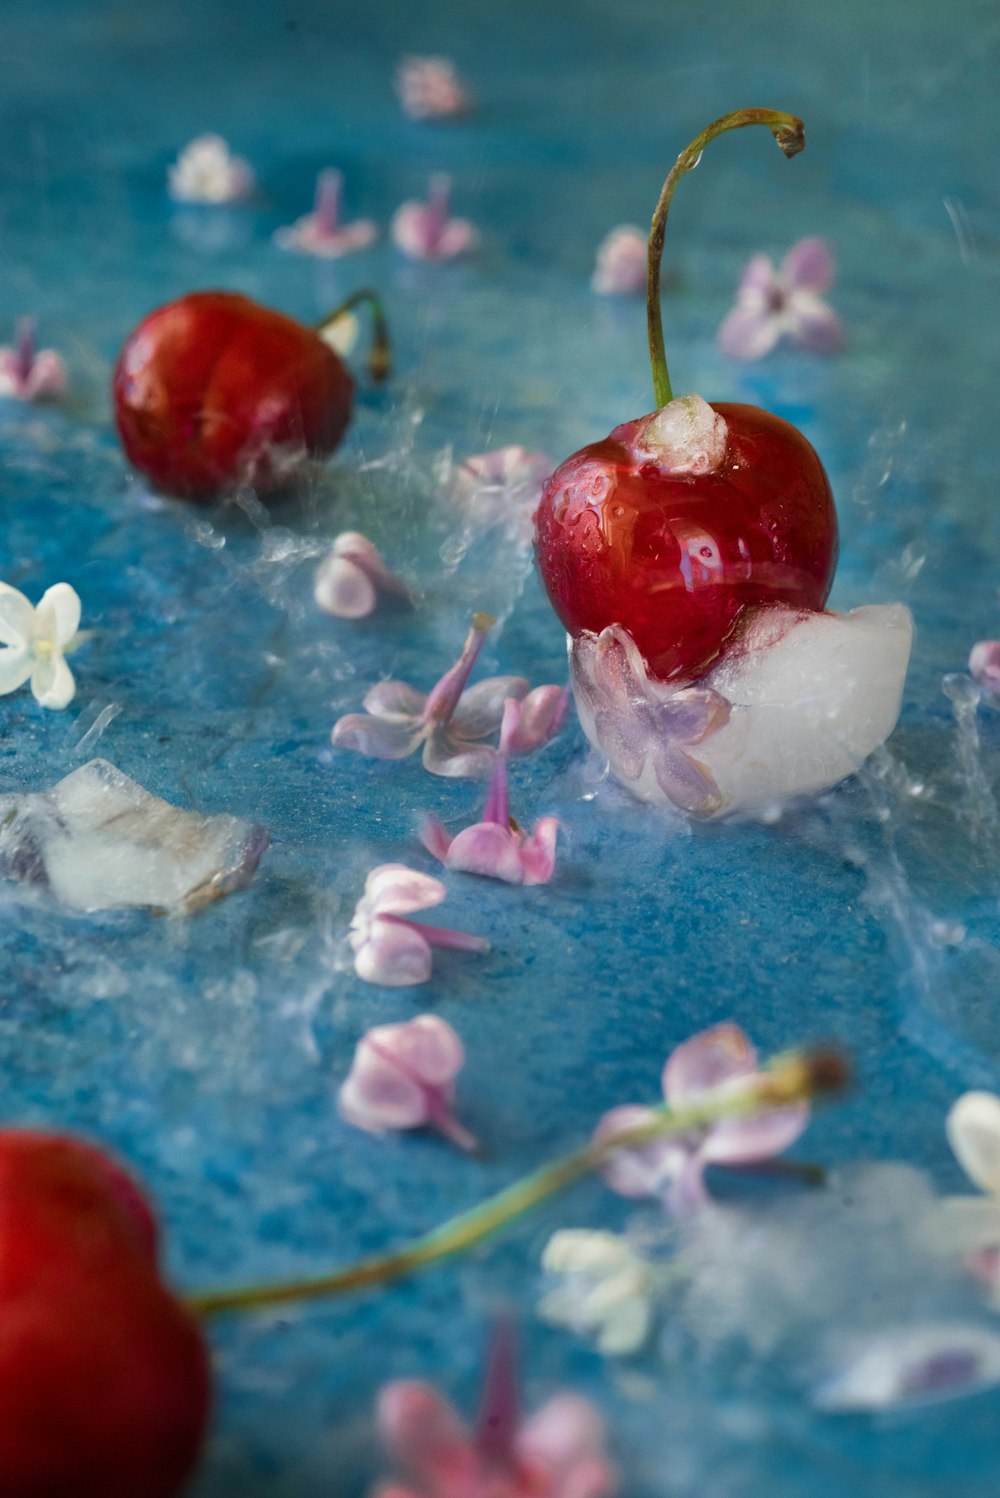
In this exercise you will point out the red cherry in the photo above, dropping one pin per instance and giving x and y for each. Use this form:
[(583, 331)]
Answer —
[(104, 1376), (214, 391), (676, 558)]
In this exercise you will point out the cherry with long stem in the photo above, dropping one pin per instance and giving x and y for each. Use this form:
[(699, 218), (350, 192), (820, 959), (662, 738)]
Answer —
[(789, 133)]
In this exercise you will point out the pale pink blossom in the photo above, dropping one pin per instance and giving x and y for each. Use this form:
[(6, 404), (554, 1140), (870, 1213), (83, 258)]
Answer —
[(351, 577), (403, 1077), (206, 171), (323, 231), (621, 263), (27, 373), (787, 303), (721, 1059), (449, 721), (556, 1453), (389, 949), (424, 231), (429, 88), (496, 846), (984, 665)]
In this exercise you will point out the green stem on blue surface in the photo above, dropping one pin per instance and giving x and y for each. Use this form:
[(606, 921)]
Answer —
[(789, 133), (379, 360), (789, 1079)]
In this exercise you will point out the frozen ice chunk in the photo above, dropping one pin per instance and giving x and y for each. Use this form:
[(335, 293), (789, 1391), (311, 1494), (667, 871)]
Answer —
[(686, 436), (808, 696), (97, 841)]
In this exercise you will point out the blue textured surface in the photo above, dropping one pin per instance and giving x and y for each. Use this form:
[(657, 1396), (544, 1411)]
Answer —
[(208, 1051)]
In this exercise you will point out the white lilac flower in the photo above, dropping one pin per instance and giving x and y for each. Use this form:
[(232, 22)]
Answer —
[(621, 263), (351, 577), (388, 948), (323, 231), (429, 88), (403, 1077), (425, 231), (27, 373), (605, 1289), (33, 641), (206, 171), (787, 303)]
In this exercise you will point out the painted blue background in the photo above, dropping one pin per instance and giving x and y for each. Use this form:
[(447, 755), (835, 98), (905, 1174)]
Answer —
[(208, 1052)]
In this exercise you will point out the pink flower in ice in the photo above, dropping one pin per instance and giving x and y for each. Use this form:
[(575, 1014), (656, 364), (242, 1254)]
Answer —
[(984, 665), (425, 232), (429, 88), (448, 721), (621, 262), (720, 1059), (403, 1077), (389, 949), (497, 846), (323, 232), (507, 474), (206, 171), (27, 374), (556, 1453), (771, 305), (350, 578)]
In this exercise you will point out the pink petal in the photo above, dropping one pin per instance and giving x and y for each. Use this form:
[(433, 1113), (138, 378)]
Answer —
[(707, 1060), (743, 1140), (457, 760), (565, 1431), (422, 1432), (457, 236), (415, 232), (395, 955), (749, 331), (808, 266), (427, 1047), (984, 665), (538, 852), (394, 701), (378, 1096), (646, 1170), (47, 377), (486, 848), (374, 737), (366, 555), (435, 837), (533, 721), (758, 280), (343, 590), (481, 708), (392, 887), (686, 1193), (813, 325)]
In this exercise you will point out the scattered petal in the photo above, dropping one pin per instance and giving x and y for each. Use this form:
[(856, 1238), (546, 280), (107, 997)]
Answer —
[(973, 1129), (621, 263), (350, 579), (914, 1366), (323, 232), (402, 1077), (33, 642), (984, 665), (424, 231), (430, 88), (206, 171), (30, 374), (390, 950)]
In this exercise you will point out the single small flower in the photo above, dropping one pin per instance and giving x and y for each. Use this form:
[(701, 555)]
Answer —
[(908, 1366), (323, 231), (605, 1289), (403, 1077), (448, 721), (556, 1453), (33, 642), (621, 263), (389, 949), (496, 846), (644, 728), (424, 231), (718, 1060), (429, 88), (787, 303), (351, 577), (27, 373), (984, 666), (206, 171)]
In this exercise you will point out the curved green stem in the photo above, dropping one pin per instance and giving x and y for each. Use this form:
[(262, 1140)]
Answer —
[(790, 1079), (789, 134), (379, 361)]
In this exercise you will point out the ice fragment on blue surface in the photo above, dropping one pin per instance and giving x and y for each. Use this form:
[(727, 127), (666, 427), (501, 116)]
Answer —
[(98, 841)]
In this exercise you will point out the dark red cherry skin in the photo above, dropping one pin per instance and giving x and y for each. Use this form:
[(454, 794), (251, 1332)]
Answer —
[(104, 1375), (675, 559), (214, 391)]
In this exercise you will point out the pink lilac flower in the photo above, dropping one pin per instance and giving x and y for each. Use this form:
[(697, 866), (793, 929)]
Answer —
[(403, 1077), (429, 88), (323, 231), (389, 949), (425, 232), (984, 665), (556, 1453), (720, 1059), (496, 846), (448, 721), (771, 305), (206, 171), (27, 374), (621, 263), (351, 577)]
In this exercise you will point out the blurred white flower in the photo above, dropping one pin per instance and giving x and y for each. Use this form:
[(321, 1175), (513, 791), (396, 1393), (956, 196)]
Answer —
[(33, 641), (606, 1289), (429, 88), (206, 171), (621, 263)]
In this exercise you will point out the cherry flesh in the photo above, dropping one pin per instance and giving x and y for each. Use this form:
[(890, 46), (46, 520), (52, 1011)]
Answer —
[(104, 1376), (214, 391), (675, 559)]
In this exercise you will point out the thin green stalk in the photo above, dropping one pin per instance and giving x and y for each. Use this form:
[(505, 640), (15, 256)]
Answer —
[(379, 360)]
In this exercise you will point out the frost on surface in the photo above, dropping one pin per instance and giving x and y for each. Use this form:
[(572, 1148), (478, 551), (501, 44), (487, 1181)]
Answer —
[(810, 696), (686, 436), (98, 841)]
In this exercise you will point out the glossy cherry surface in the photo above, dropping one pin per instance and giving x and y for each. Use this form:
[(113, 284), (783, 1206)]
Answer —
[(214, 390), (104, 1378), (676, 558)]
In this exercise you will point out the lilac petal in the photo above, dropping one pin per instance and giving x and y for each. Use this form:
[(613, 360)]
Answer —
[(625, 739), (566, 1432), (642, 1170), (395, 701), (480, 708), (427, 1048), (808, 266), (693, 713), (538, 852), (909, 1365), (394, 888), (377, 1096), (973, 1130), (533, 721), (686, 1193), (984, 665), (422, 1432), (685, 781), (457, 236), (749, 331), (445, 756), (739, 1141), (366, 555), (396, 955), (707, 1060), (435, 837), (344, 590), (487, 849), (814, 325), (758, 280), (17, 617), (374, 737)]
